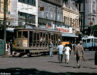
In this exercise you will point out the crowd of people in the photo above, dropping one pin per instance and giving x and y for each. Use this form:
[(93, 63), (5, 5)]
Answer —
[(65, 51)]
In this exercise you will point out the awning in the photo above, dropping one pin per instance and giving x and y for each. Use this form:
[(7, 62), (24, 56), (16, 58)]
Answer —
[(69, 35)]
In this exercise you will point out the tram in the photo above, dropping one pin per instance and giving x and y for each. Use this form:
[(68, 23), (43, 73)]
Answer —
[(89, 42), (34, 41)]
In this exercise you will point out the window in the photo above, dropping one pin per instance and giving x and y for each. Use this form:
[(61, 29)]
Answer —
[(31, 2), (95, 40), (64, 20), (28, 18), (19, 34), (25, 34), (87, 1), (84, 41), (89, 40), (70, 21)]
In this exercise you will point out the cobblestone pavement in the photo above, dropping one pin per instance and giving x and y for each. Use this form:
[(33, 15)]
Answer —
[(47, 65)]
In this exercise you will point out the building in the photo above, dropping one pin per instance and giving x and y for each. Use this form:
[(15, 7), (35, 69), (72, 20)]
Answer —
[(50, 13), (90, 12), (70, 20), (24, 13), (54, 14), (37, 13), (2, 12), (80, 4), (91, 17), (71, 15)]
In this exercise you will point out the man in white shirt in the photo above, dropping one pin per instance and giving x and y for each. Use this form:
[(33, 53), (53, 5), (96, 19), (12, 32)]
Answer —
[(67, 53), (60, 52)]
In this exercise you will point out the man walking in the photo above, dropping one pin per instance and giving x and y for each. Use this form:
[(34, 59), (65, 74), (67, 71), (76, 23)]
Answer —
[(51, 49), (79, 52), (60, 48)]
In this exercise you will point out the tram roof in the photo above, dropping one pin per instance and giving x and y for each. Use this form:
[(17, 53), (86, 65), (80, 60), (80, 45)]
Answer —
[(89, 37), (69, 35), (41, 29)]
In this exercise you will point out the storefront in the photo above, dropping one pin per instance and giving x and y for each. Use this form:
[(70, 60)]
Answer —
[(67, 34), (71, 37)]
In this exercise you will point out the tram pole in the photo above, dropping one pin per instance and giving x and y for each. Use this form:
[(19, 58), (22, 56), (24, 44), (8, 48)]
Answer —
[(55, 16), (4, 22)]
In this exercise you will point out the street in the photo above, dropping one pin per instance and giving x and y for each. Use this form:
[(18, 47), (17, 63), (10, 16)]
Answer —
[(45, 65)]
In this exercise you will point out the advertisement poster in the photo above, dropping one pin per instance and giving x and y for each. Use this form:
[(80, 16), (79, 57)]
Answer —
[(24, 43)]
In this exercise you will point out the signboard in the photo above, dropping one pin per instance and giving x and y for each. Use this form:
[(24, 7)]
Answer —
[(2, 50), (63, 29), (56, 2), (49, 26), (24, 43)]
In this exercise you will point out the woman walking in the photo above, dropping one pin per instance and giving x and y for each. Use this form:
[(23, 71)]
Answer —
[(67, 53)]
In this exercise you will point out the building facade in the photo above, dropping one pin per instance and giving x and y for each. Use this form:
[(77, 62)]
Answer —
[(50, 13), (90, 12), (2, 12), (80, 4), (24, 12), (71, 15)]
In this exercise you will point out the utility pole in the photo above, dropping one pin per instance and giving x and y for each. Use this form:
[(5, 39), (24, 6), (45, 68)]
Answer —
[(83, 16), (4, 22), (55, 16)]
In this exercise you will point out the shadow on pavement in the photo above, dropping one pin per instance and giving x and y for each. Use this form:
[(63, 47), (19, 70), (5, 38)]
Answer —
[(53, 62), (90, 59), (20, 71), (89, 67)]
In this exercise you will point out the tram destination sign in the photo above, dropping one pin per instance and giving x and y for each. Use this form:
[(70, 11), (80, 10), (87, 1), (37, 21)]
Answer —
[(55, 2)]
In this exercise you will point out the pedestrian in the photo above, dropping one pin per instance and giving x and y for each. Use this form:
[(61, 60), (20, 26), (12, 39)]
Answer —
[(79, 52), (67, 51), (51, 49), (73, 48), (8, 48), (11, 47), (60, 49)]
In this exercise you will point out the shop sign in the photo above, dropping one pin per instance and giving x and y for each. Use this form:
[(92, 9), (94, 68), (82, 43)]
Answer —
[(63, 29), (24, 43), (49, 26)]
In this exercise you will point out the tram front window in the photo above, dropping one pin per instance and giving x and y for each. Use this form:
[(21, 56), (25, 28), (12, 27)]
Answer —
[(25, 34), (95, 40), (19, 34), (84, 41), (89, 40)]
